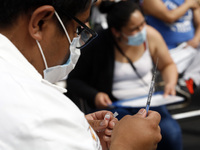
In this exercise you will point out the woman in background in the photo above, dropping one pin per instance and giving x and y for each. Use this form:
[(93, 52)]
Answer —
[(118, 65), (178, 21)]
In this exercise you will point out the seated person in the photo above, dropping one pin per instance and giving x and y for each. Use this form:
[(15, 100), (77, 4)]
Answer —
[(36, 36), (103, 73), (178, 21)]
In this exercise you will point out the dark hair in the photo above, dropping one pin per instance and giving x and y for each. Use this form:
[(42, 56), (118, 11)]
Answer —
[(11, 9), (119, 13)]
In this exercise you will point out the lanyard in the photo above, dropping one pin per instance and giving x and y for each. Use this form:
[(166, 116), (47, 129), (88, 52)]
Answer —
[(131, 63)]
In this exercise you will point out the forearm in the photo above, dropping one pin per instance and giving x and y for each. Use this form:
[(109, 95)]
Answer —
[(170, 74), (194, 42), (197, 34), (197, 24), (158, 9), (177, 13)]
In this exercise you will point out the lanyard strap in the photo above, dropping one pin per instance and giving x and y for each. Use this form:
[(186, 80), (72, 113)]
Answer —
[(131, 63)]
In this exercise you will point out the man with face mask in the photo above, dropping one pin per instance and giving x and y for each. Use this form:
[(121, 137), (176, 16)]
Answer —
[(40, 43), (60, 72)]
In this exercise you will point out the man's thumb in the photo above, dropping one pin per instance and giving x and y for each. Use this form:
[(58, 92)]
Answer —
[(142, 112)]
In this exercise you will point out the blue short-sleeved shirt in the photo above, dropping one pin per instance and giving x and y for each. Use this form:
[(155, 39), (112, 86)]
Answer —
[(175, 33)]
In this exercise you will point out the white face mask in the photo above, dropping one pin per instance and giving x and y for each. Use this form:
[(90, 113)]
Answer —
[(60, 72)]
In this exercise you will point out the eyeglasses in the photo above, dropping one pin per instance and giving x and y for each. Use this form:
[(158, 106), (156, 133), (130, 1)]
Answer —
[(94, 1), (86, 34)]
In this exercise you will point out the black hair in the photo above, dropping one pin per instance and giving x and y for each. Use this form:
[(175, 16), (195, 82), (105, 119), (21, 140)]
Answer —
[(11, 9), (119, 13)]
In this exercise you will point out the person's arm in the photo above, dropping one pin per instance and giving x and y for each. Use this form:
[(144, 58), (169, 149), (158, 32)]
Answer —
[(137, 132), (166, 66), (158, 9), (196, 39)]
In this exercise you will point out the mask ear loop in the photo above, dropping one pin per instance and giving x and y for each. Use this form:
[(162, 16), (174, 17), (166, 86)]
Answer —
[(63, 27), (41, 51), (39, 46)]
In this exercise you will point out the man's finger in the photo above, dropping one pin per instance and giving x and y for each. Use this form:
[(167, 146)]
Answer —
[(98, 125)]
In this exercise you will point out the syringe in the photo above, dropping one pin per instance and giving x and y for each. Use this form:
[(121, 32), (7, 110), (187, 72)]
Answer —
[(151, 87)]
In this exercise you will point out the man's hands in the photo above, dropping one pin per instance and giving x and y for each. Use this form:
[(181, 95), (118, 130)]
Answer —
[(137, 132), (103, 123)]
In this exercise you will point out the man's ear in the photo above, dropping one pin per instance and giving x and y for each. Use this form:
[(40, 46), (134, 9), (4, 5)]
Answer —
[(37, 20)]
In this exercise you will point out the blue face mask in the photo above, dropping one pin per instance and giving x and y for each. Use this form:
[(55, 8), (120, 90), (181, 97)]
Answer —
[(137, 39)]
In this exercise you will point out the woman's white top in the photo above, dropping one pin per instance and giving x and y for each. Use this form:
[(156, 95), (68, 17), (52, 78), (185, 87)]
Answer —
[(126, 83), (35, 114)]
